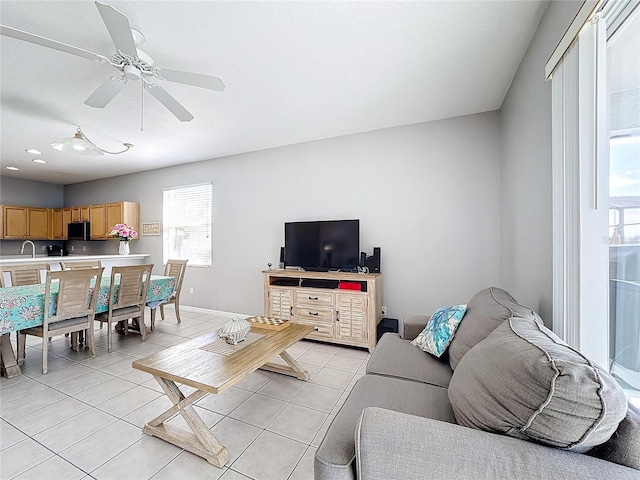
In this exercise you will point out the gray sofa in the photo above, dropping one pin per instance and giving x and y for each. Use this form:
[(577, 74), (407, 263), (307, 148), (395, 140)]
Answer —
[(398, 421)]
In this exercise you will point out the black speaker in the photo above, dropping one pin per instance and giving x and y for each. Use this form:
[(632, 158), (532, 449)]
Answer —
[(281, 258), (363, 259), (387, 325), (373, 262)]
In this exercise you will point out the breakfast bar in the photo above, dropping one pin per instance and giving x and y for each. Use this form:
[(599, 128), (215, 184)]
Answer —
[(108, 261)]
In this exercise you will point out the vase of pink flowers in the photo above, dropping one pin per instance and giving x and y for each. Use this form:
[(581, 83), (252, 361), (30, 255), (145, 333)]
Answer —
[(125, 234)]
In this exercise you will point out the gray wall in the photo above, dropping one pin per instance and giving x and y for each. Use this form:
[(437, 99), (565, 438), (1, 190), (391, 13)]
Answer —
[(14, 191), (427, 194), (525, 169)]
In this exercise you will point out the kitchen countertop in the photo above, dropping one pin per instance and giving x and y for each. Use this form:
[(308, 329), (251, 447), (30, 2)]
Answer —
[(46, 259)]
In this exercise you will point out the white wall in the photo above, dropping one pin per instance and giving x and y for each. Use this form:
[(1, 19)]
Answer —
[(526, 220), (427, 194)]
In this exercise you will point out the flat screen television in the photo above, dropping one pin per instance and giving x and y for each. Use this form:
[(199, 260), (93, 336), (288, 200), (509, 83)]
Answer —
[(322, 245)]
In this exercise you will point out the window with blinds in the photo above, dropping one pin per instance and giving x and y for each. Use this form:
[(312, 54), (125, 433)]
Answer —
[(187, 224)]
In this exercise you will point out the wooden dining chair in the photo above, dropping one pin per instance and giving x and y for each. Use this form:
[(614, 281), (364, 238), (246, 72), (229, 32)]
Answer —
[(77, 265), (74, 306), (177, 269), (25, 274), (127, 298)]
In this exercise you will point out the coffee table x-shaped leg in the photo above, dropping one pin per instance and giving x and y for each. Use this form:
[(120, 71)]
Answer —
[(201, 442)]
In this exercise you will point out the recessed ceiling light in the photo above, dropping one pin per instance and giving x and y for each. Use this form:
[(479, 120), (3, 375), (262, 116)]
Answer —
[(39, 160), (12, 168), (33, 151)]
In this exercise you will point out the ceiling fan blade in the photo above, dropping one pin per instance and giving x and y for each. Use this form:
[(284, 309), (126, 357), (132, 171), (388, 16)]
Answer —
[(119, 28), (46, 42), (169, 102), (195, 79), (105, 92)]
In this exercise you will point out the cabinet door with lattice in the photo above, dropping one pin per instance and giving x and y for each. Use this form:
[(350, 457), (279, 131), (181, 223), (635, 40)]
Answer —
[(351, 314), (280, 303)]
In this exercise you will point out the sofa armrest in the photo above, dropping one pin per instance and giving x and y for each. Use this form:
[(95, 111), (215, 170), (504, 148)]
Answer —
[(412, 325), (391, 444)]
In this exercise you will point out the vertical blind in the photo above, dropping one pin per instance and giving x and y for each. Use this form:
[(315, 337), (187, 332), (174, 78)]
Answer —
[(187, 223), (580, 191)]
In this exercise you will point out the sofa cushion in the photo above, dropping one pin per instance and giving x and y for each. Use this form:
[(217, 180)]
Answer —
[(392, 445), (440, 329), (485, 311), (412, 325), (335, 456), (395, 357), (523, 381), (624, 445)]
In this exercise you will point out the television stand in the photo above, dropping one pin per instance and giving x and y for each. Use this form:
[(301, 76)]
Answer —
[(342, 307)]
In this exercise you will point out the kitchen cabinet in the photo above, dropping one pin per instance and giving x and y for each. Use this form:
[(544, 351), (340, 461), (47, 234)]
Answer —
[(98, 221), (55, 224), (21, 223), (80, 214), (59, 219), (122, 212), (104, 216), (35, 223)]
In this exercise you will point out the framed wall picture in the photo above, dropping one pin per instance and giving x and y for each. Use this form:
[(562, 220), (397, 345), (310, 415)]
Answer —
[(150, 228)]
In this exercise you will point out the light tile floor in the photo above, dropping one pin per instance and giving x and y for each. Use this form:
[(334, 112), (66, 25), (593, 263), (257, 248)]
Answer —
[(84, 418)]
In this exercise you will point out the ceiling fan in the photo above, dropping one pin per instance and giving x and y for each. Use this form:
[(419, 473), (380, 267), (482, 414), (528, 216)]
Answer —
[(134, 64)]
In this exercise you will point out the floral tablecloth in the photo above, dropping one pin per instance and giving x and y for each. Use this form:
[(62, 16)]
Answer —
[(22, 307)]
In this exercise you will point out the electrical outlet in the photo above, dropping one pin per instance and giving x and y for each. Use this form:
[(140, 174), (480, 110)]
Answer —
[(44, 247), (384, 310), (191, 290), (84, 249), (73, 248)]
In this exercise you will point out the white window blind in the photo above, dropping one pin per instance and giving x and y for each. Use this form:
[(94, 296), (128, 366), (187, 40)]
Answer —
[(187, 224), (580, 213)]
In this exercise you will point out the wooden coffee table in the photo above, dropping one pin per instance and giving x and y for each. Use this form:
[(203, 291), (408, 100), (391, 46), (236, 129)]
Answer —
[(193, 363)]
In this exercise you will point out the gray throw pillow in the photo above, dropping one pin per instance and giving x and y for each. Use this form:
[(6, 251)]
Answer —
[(623, 447), (485, 311), (523, 381)]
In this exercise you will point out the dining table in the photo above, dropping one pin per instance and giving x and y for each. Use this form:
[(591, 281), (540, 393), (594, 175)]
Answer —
[(22, 307)]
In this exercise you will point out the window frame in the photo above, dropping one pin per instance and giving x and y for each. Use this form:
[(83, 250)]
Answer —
[(169, 250)]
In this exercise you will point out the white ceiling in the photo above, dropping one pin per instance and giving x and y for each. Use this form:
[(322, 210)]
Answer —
[(294, 71)]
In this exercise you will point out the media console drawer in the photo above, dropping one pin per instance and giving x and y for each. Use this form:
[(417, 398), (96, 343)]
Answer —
[(308, 296), (321, 331), (314, 313)]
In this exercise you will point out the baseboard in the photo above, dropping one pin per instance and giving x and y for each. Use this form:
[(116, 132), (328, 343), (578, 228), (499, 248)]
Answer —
[(219, 313)]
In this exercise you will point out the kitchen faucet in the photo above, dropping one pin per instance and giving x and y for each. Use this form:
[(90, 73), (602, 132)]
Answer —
[(33, 248)]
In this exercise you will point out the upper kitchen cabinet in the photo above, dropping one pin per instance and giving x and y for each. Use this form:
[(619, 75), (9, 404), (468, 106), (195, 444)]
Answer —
[(80, 214), (123, 212), (98, 221), (60, 218), (105, 216), (25, 223)]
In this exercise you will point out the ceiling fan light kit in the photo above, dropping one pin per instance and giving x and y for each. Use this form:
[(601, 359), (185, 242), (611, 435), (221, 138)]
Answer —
[(80, 144), (133, 64)]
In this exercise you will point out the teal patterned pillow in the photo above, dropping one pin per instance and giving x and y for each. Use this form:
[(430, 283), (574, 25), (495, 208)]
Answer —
[(437, 335)]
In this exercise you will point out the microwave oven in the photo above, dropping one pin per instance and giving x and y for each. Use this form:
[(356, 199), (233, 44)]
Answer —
[(79, 231)]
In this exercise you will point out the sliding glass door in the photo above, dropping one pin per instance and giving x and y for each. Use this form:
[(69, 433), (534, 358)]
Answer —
[(623, 91)]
